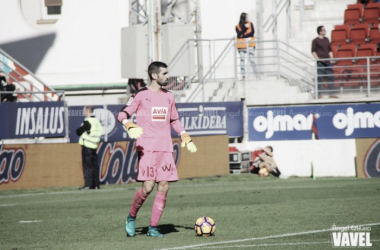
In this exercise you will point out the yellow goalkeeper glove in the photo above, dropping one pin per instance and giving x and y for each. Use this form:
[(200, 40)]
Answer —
[(186, 140), (133, 130)]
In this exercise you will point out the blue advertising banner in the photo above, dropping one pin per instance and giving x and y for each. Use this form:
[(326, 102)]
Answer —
[(333, 122), (212, 118), (32, 119), (197, 118)]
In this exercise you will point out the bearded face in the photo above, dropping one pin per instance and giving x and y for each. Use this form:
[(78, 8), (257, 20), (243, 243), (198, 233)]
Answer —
[(163, 77)]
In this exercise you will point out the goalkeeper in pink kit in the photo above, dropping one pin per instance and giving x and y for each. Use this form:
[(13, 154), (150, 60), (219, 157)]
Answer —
[(155, 113)]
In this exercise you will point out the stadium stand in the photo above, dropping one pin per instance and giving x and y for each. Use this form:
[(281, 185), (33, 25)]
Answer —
[(358, 37)]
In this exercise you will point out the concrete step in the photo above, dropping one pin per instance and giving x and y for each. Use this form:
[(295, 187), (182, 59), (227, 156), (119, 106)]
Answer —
[(261, 92), (280, 89), (285, 99)]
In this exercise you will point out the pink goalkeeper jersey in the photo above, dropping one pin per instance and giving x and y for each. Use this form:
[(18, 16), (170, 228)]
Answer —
[(156, 111)]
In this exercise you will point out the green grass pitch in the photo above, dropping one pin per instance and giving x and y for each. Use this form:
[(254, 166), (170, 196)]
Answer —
[(250, 213)]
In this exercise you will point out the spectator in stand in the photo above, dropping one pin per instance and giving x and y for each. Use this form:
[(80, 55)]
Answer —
[(321, 49), (263, 158), (134, 85), (6, 85), (245, 32)]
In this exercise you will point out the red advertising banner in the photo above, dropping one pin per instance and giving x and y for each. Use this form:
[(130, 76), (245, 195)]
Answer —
[(60, 165)]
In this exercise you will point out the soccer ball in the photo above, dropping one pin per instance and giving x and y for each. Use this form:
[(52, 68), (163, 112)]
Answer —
[(263, 172), (204, 226)]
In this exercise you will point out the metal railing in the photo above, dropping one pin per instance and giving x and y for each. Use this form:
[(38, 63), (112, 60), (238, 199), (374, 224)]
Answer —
[(215, 63), (26, 81), (33, 96), (347, 75), (223, 66)]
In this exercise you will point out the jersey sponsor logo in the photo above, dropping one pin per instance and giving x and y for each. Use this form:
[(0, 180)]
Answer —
[(159, 114), (12, 164)]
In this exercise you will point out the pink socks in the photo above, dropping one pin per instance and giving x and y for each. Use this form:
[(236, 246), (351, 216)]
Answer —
[(158, 208), (137, 202)]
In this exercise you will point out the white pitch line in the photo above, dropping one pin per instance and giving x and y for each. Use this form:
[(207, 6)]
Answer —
[(30, 221), (8, 205), (123, 189), (269, 245), (263, 238), (275, 244), (173, 186), (63, 192)]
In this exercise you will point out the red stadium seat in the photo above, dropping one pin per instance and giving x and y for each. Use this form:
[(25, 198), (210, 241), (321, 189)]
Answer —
[(373, 5), (357, 6), (367, 50), (360, 33), (340, 35), (347, 73), (372, 13), (347, 50), (375, 74), (352, 16), (374, 68), (374, 33)]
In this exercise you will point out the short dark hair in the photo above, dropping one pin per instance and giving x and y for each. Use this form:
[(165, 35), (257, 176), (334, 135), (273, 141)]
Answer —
[(319, 29), (154, 68), (89, 108), (271, 149)]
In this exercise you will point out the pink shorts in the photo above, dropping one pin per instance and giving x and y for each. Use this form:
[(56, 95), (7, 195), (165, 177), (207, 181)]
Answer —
[(157, 165)]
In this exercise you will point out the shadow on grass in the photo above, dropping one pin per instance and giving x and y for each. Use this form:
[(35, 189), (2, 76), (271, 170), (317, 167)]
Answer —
[(165, 229)]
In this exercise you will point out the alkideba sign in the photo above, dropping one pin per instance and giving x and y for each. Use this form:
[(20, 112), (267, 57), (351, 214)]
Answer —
[(197, 118), (29, 120), (333, 122)]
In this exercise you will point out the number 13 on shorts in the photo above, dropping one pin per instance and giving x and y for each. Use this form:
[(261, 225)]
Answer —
[(150, 172)]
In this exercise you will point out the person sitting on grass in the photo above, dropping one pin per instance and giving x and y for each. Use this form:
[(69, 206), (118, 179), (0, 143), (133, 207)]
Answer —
[(263, 158)]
